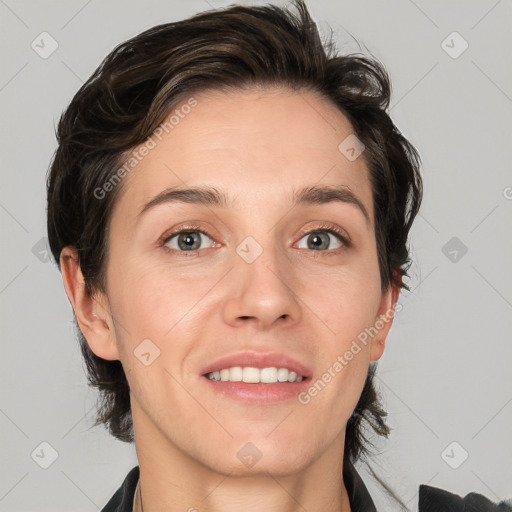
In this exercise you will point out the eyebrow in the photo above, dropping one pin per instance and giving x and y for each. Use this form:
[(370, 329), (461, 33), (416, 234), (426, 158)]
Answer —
[(211, 196)]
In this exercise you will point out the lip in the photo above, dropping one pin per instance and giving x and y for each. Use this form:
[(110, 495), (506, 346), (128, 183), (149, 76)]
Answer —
[(258, 394), (259, 360), (262, 393)]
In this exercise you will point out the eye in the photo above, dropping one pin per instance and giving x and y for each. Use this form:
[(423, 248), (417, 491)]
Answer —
[(191, 238), (186, 240), (320, 239)]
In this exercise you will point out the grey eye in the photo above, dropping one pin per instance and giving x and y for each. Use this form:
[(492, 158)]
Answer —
[(186, 240), (320, 240)]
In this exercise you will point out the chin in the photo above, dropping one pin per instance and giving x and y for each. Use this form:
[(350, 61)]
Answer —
[(275, 465), (260, 457)]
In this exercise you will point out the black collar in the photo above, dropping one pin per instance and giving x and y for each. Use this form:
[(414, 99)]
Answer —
[(431, 499), (359, 497)]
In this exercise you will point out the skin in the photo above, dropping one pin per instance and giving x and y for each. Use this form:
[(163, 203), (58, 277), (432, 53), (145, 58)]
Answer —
[(256, 145)]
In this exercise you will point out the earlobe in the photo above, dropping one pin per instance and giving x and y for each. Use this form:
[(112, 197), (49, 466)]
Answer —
[(384, 320), (92, 313)]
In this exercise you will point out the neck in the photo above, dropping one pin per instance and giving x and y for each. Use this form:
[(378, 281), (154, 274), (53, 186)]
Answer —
[(171, 480), (342, 506)]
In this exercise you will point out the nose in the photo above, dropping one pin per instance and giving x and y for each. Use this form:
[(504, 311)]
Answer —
[(264, 292)]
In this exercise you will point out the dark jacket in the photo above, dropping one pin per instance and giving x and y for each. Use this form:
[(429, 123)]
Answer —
[(431, 499)]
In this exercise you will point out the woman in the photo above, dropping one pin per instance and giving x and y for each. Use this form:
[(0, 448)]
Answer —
[(230, 205)]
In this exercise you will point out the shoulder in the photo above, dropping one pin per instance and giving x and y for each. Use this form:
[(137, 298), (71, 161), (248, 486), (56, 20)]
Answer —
[(433, 499)]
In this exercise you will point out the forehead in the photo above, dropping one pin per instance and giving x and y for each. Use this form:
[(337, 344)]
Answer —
[(258, 144)]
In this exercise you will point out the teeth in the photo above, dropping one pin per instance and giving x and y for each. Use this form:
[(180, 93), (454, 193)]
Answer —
[(253, 375)]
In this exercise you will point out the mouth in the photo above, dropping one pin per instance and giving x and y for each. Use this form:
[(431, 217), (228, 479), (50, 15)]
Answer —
[(254, 375), (257, 378), (256, 393)]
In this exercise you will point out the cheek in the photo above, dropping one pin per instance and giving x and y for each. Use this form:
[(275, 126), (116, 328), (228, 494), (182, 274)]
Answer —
[(160, 313), (347, 306), (152, 300), (346, 302)]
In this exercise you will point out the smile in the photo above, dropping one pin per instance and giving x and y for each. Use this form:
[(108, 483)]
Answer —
[(252, 375)]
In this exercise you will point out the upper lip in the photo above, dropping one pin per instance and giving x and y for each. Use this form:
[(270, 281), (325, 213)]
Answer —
[(258, 360)]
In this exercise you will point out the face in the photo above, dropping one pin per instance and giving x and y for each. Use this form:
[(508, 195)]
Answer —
[(258, 276)]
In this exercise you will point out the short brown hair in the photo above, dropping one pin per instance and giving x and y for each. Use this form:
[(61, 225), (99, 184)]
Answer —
[(138, 84)]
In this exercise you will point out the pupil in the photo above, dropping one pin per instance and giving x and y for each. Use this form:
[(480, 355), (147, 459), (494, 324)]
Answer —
[(187, 240), (316, 241)]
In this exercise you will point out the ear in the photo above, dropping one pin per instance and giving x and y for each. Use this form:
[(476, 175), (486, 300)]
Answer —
[(92, 312), (384, 319)]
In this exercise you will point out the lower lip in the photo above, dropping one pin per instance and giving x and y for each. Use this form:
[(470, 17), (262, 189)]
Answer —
[(258, 393)]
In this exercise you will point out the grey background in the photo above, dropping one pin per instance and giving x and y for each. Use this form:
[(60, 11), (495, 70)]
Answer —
[(445, 375)]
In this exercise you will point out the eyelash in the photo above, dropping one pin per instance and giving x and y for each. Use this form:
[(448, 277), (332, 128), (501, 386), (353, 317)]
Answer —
[(325, 227)]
